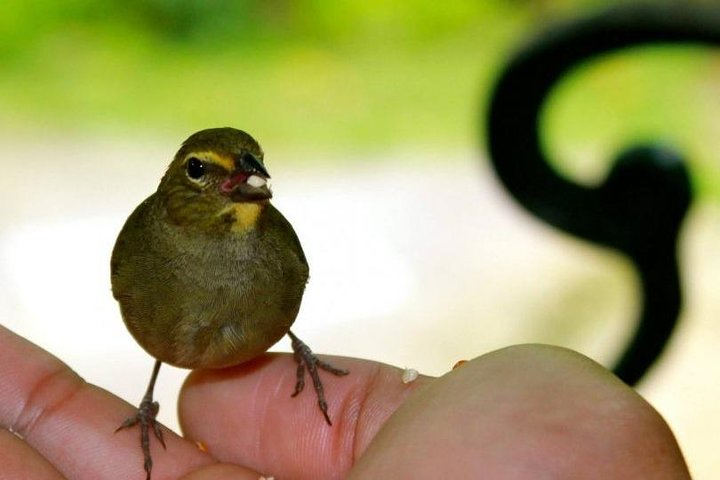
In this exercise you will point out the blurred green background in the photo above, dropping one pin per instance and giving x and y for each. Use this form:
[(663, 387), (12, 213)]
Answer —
[(352, 77)]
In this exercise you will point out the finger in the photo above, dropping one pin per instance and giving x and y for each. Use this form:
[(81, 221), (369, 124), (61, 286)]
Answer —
[(21, 462), (246, 415), (525, 412), (71, 423)]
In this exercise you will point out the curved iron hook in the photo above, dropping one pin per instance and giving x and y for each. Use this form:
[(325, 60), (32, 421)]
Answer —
[(640, 206)]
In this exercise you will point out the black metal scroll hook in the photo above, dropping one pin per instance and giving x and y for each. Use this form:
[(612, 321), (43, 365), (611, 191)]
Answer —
[(640, 206)]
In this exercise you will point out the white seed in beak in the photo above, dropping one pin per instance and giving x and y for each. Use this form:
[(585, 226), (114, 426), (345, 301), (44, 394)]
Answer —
[(256, 181)]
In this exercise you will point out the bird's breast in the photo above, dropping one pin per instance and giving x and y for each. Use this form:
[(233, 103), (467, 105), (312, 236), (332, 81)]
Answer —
[(214, 302)]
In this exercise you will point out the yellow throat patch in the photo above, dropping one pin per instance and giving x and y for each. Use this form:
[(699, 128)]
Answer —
[(241, 216)]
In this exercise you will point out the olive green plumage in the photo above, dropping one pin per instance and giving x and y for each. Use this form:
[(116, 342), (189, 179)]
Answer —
[(207, 272)]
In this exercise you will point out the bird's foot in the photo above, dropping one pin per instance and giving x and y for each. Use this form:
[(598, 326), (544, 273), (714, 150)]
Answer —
[(305, 358), (145, 417)]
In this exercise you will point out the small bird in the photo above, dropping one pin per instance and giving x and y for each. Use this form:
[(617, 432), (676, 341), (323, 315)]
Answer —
[(208, 274)]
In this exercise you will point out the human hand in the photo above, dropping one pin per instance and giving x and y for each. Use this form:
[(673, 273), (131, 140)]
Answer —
[(522, 412)]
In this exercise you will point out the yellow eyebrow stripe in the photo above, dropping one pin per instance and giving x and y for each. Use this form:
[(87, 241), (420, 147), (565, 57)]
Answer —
[(212, 157)]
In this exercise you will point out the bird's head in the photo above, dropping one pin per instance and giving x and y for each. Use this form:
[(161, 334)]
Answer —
[(216, 179)]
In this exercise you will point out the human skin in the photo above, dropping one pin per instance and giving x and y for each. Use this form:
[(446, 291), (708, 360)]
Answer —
[(527, 411)]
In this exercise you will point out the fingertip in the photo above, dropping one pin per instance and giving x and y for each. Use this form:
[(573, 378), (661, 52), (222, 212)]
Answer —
[(525, 411), (246, 414)]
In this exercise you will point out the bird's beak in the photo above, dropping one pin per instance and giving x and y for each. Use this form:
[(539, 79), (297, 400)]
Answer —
[(250, 164), (248, 182)]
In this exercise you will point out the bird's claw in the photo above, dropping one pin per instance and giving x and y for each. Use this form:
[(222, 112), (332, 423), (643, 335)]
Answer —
[(305, 358), (146, 418)]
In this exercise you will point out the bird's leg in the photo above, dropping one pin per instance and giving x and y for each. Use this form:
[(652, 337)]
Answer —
[(305, 358), (145, 416)]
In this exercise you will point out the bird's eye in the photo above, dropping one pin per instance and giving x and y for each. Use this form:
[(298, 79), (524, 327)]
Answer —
[(195, 168)]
